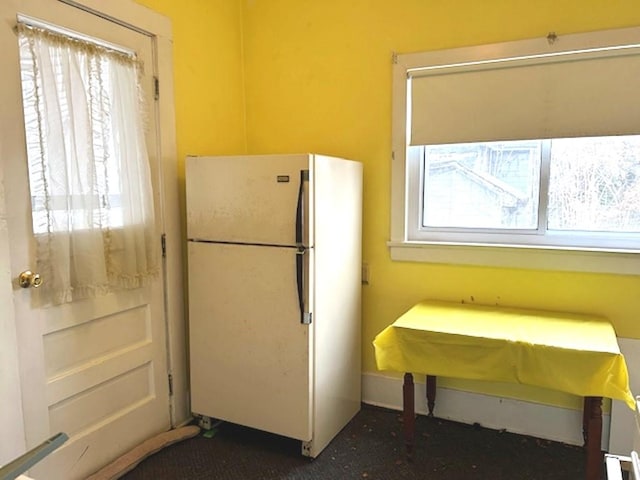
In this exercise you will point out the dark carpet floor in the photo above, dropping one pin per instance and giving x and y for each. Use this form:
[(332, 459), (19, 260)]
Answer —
[(370, 447)]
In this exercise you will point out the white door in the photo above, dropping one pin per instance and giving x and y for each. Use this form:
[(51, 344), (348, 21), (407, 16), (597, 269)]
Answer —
[(94, 369), (251, 360)]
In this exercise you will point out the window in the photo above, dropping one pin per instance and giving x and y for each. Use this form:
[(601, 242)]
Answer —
[(506, 154), (89, 172), (74, 107)]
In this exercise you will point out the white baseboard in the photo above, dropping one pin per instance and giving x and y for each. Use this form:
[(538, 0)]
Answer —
[(517, 416), (184, 422), (624, 430)]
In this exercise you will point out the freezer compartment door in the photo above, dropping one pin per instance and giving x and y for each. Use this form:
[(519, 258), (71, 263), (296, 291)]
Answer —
[(248, 199), (250, 355)]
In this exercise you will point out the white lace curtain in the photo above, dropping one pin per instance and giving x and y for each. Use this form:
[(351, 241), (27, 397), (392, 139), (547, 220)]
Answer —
[(89, 173)]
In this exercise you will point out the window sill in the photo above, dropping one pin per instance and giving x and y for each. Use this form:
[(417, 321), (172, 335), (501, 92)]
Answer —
[(620, 263)]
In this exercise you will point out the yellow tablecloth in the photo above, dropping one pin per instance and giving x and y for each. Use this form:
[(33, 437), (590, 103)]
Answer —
[(577, 354)]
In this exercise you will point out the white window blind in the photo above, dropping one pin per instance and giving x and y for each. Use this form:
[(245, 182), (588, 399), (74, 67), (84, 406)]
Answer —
[(568, 94)]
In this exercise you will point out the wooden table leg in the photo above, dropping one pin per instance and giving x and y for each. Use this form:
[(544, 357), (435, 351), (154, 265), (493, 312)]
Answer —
[(431, 393), (408, 411), (585, 419), (592, 417)]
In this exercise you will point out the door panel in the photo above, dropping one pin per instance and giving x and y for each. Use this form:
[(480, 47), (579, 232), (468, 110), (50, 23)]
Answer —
[(250, 355), (63, 352), (76, 413), (249, 199), (95, 369)]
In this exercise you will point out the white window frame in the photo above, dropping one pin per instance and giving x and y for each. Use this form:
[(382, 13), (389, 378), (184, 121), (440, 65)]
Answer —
[(473, 252)]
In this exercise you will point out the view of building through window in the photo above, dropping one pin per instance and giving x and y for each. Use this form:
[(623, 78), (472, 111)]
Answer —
[(593, 185)]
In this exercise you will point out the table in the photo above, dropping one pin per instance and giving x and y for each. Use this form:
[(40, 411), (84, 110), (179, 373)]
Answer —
[(573, 353)]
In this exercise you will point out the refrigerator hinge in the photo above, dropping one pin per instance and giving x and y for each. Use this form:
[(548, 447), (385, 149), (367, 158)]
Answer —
[(163, 243), (307, 318), (307, 448), (170, 377)]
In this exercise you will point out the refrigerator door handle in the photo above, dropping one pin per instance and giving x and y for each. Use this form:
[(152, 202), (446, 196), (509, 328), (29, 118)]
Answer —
[(304, 177), (305, 317)]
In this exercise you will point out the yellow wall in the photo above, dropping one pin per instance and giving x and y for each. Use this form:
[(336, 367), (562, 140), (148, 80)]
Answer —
[(316, 76), (209, 91)]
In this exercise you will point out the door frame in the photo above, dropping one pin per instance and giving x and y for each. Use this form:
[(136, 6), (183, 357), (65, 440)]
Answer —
[(158, 27)]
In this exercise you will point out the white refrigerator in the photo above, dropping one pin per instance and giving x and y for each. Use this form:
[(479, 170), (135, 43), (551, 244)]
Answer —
[(274, 262)]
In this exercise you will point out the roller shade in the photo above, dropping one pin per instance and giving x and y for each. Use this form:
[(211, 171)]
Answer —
[(568, 95)]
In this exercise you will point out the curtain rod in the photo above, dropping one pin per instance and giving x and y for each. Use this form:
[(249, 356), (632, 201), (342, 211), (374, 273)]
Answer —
[(34, 22)]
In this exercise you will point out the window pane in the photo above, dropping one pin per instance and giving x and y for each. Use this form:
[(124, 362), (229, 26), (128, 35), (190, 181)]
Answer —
[(74, 173), (492, 185), (595, 184)]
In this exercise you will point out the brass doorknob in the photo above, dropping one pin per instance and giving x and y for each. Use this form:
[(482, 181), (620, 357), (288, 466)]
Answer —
[(29, 279)]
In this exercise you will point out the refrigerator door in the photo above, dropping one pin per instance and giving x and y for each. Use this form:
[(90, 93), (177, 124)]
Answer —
[(249, 199), (250, 354)]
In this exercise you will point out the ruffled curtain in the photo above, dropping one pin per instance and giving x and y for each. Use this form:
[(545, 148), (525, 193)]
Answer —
[(89, 173)]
